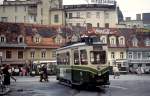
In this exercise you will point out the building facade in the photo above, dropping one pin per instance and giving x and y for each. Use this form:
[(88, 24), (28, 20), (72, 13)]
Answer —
[(31, 11), (95, 15), (53, 12), (127, 48), (27, 44)]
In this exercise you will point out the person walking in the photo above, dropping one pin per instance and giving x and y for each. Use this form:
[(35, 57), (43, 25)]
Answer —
[(116, 72), (6, 75), (43, 73)]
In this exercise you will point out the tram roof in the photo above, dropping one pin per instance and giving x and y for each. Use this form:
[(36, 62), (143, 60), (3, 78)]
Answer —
[(79, 44)]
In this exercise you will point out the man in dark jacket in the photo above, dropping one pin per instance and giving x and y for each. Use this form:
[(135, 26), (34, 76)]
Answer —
[(43, 73)]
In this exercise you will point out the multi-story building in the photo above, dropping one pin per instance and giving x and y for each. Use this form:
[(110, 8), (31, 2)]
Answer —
[(32, 11), (128, 48), (138, 53), (128, 23), (25, 44), (146, 20), (95, 15), (104, 14)]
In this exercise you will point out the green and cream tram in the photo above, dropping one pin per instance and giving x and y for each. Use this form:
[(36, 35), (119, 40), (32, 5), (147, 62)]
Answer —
[(83, 63)]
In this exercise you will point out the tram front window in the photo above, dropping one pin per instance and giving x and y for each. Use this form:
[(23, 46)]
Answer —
[(98, 57), (83, 57)]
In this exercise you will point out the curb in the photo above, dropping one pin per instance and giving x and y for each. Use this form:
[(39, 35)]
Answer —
[(5, 92)]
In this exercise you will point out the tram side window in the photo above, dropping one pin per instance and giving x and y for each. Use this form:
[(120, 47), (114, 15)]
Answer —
[(76, 57), (98, 57), (63, 59), (67, 57), (83, 57)]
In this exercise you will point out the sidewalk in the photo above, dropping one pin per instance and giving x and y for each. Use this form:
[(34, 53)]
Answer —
[(5, 91)]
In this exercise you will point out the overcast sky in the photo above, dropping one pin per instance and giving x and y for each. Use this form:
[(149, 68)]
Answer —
[(128, 7)]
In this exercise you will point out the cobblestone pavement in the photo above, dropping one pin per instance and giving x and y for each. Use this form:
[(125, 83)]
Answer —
[(126, 85)]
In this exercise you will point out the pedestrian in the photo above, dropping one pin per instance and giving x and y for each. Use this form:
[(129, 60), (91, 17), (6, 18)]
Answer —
[(139, 71), (11, 72), (6, 75), (116, 72), (43, 73)]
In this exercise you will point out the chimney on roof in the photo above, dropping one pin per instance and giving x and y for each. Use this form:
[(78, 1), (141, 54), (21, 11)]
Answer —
[(128, 18), (138, 16)]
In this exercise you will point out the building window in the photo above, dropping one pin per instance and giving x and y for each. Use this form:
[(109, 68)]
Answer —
[(58, 40), (145, 55), (8, 54), (56, 18), (25, 8), (103, 39), (70, 15), (20, 39), (88, 15), (34, 18), (41, 11), (3, 9), (37, 39), (16, 8), (4, 19), (139, 55), (135, 55), (121, 41), (2, 39), (97, 24), (135, 42), (97, 14), (147, 42), (78, 24), (43, 54), (106, 25), (130, 55), (24, 18), (15, 18), (32, 54), (20, 54), (112, 55), (41, 21), (53, 54), (66, 15), (78, 14), (106, 15), (121, 55), (112, 41)]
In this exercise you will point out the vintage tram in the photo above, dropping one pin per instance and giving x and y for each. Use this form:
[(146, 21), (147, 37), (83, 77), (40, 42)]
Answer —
[(83, 64)]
